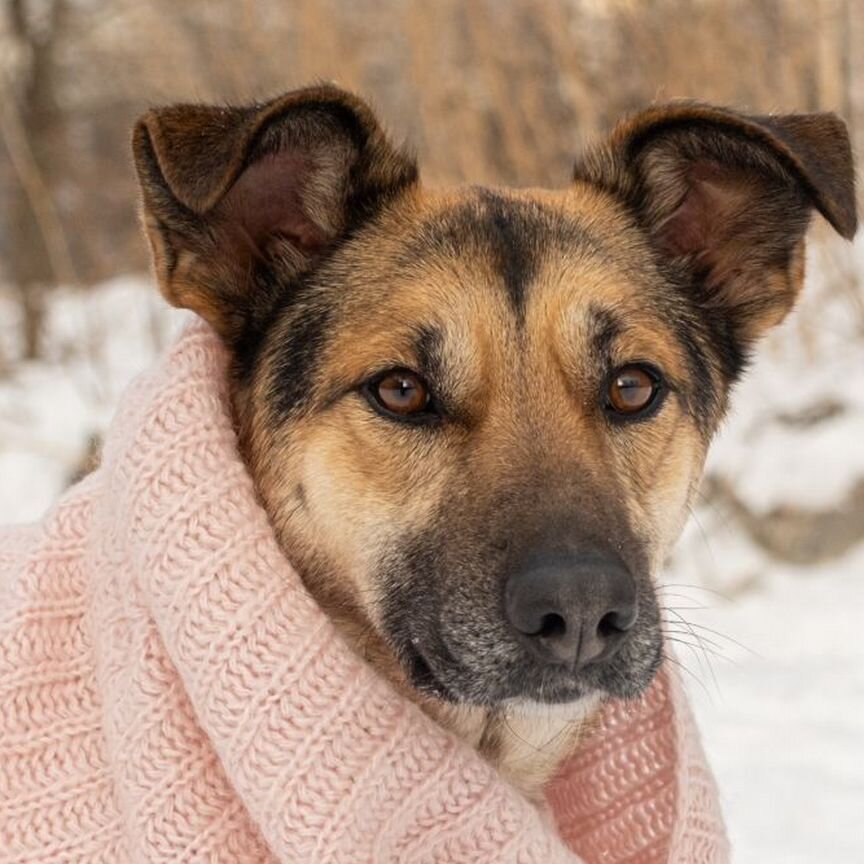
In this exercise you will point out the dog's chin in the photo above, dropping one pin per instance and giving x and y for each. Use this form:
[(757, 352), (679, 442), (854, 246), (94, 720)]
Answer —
[(540, 689)]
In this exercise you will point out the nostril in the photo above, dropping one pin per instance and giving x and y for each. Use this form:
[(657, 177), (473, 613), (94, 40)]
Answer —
[(552, 625), (614, 623)]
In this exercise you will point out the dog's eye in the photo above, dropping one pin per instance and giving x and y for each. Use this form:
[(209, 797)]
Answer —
[(402, 393), (633, 391)]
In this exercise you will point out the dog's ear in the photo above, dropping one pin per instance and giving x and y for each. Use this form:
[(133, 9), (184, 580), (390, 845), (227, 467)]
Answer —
[(230, 192), (726, 199)]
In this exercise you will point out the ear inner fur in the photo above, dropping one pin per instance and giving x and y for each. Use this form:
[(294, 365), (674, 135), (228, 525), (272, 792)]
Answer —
[(727, 199), (232, 190), (813, 147)]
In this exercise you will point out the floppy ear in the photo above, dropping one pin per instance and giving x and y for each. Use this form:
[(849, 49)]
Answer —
[(726, 200), (239, 201)]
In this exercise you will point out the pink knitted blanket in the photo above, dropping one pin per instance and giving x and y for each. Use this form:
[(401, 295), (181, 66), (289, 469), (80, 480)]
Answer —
[(169, 692)]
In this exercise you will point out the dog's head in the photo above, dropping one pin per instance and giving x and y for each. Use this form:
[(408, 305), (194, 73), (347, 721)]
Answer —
[(477, 417)]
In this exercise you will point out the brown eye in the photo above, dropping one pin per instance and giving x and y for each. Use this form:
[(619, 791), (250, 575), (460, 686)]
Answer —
[(402, 392), (632, 390)]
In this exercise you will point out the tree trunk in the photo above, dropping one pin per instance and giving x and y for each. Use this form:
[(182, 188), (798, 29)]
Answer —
[(33, 116)]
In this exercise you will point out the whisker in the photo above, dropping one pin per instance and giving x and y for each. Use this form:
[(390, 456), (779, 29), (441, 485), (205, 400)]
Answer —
[(515, 734), (714, 591), (728, 638), (690, 627), (676, 662), (704, 535), (689, 608), (721, 513), (715, 649), (696, 636)]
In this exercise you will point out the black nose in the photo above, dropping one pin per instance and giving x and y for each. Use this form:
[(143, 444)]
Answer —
[(572, 610)]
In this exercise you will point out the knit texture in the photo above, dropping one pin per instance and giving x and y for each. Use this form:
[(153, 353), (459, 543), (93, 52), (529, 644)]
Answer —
[(170, 692)]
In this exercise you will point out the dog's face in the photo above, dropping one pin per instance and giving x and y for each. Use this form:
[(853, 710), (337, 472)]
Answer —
[(502, 389), (477, 417)]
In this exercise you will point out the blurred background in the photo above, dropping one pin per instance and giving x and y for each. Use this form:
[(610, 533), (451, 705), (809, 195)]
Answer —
[(769, 577)]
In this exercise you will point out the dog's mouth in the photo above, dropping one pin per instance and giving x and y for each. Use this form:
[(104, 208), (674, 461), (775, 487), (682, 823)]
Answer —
[(450, 682), (421, 676), (435, 672)]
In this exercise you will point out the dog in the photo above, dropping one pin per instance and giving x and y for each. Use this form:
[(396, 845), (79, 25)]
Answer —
[(477, 417)]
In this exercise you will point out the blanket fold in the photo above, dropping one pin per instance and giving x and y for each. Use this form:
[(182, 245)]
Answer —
[(170, 692)]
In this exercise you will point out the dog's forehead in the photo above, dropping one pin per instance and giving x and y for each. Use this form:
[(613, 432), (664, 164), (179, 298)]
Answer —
[(509, 234), (509, 261)]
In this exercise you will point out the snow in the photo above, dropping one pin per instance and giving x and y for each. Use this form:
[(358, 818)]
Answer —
[(97, 342), (781, 708), (779, 690), (768, 451)]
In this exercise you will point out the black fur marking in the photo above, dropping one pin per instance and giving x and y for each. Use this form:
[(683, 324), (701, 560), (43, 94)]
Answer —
[(722, 323), (703, 396), (704, 400), (606, 327), (514, 233), (293, 369), (514, 242), (731, 353), (266, 303), (428, 350)]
